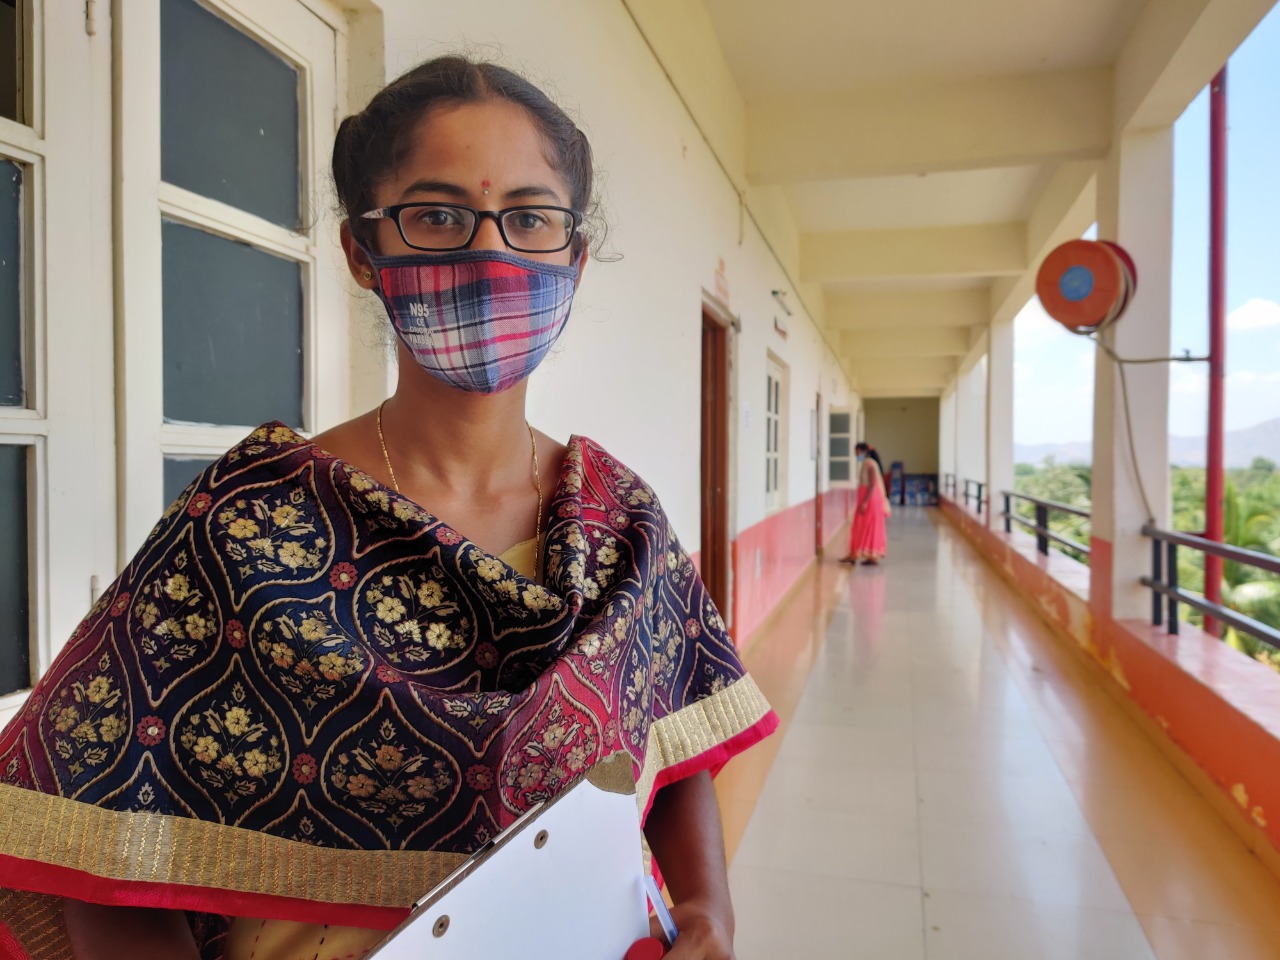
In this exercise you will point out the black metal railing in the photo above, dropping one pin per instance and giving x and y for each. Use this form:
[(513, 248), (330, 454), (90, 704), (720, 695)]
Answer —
[(1166, 594), (1041, 525), (949, 485), (980, 486)]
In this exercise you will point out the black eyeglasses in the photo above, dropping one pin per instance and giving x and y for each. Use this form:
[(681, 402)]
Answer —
[(452, 226)]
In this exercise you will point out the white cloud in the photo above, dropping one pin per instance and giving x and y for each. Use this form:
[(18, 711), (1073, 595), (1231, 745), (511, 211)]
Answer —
[(1250, 376), (1254, 315), (1189, 379)]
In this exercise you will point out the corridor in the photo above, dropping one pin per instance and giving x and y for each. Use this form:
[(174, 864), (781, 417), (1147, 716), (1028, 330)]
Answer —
[(952, 782)]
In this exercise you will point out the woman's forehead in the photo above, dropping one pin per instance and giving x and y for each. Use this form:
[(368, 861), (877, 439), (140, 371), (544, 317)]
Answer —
[(468, 143)]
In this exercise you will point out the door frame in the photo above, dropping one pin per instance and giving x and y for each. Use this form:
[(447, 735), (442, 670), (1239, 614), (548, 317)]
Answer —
[(818, 498), (718, 406)]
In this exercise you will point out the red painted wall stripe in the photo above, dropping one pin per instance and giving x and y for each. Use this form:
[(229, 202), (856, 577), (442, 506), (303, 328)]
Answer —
[(769, 557)]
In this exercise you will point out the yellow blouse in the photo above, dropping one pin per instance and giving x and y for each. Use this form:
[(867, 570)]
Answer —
[(253, 939), (523, 558)]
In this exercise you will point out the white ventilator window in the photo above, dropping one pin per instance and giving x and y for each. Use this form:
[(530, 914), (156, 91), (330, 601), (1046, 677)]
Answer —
[(840, 448), (237, 311)]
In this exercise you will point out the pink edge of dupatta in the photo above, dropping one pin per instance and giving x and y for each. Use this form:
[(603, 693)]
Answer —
[(713, 759)]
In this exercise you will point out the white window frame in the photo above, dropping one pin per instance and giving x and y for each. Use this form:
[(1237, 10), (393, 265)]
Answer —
[(312, 35), (777, 433), (67, 420)]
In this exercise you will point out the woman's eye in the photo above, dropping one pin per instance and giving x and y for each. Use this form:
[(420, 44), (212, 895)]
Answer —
[(436, 217), (530, 220)]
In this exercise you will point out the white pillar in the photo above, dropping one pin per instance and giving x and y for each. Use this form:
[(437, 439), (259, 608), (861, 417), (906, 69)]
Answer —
[(947, 436), (971, 421), (1135, 208), (999, 414)]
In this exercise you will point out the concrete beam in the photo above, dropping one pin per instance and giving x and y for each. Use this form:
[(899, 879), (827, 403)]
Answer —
[(1064, 211), (914, 371), (897, 342), (898, 391), (990, 250), (907, 308), (977, 350), (1173, 51), (994, 122)]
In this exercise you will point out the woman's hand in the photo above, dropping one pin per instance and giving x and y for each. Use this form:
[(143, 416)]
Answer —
[(687, 839), (702, 933)]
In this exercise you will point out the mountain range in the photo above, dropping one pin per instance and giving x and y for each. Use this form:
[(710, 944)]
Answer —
[(1241, 446)]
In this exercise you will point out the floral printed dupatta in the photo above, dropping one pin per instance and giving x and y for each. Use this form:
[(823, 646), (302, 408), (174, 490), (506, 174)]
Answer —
[(308, 699)]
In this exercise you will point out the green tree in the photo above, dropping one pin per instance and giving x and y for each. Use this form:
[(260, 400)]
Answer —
[(1248, 522), (1263, 465), (1251, 519), (1068, 484)]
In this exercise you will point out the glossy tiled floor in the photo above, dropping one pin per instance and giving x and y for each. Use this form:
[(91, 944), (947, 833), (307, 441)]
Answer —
[(950, 783)]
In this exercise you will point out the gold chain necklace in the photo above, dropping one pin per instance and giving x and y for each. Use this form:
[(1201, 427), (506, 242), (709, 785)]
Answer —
[(537, 482)]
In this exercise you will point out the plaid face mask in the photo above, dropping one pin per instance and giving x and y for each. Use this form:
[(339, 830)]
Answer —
[(478, 320)]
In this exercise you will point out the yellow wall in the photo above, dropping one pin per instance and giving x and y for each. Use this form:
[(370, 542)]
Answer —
[(905, 430)]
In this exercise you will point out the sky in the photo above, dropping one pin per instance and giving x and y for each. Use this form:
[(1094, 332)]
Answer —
[(1053, 369)]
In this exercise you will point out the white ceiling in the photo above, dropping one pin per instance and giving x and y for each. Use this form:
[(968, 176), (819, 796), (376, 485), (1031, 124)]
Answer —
[(909, 284), (995, 97), (952, 199), (811, 46)]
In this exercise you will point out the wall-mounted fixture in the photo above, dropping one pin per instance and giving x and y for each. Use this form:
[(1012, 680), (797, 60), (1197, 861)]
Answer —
[(781, 297)]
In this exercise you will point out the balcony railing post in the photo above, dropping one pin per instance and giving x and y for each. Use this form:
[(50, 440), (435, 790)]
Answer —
[(1164, 560), (980, 495), (1157, 608), (1008, 510), (1042, 523)]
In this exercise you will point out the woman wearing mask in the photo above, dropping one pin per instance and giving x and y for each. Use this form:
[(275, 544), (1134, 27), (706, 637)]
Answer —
[(867, 538), (339, 666)]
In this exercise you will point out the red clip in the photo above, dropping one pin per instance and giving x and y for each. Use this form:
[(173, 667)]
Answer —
[(649, 948)]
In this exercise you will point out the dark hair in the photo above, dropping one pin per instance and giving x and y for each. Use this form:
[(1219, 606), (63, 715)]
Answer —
[(861, 447), (372, 144)]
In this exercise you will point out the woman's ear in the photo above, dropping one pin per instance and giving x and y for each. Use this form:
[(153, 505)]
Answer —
[(582, 262), (357, 260)]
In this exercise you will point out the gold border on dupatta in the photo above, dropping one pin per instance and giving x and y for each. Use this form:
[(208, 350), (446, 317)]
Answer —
[(699, 727), (157, 848)]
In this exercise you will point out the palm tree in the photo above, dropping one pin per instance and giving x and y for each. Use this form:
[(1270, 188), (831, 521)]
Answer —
[(1246, 589)]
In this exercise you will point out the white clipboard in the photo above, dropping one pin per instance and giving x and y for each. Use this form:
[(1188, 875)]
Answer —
[(566, 880)]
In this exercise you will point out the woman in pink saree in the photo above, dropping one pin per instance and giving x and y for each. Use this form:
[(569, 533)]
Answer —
[(867, 541)]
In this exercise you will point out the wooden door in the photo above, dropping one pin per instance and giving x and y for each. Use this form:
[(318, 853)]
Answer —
[(715, 461), (817, 477)]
